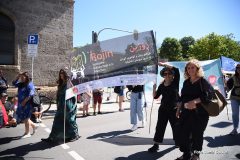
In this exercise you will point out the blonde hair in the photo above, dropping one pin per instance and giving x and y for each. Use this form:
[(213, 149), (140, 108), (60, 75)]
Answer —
[(196, 63)]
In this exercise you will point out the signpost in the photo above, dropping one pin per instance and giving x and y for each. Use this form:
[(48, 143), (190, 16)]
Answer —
[(32, 47)]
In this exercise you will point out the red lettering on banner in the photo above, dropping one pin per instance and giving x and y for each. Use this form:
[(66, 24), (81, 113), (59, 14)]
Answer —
[(100, 56), (140, 47)]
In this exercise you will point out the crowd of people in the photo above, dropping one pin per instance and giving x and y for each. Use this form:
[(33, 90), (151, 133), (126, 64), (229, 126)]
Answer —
[(184, 110)]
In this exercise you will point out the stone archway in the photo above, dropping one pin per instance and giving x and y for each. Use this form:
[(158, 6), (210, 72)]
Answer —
[(7, 40)]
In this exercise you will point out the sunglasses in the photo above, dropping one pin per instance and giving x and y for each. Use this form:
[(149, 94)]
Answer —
[(237, 67), (167, 73)]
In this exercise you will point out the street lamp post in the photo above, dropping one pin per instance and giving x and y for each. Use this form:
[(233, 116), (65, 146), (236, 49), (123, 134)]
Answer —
[(95, 34)]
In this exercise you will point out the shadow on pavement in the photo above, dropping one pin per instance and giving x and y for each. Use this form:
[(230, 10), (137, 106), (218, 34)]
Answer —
[(79, 115), (144, 155), (222, 124), (238, 155), (21, 151), (50, 113), (109, 134), (6, 140), (129, 140), (11, 158), (108, 102), (223, 140)]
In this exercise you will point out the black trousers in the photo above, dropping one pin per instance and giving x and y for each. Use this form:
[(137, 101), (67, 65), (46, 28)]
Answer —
[(165, 115), (192, 129)]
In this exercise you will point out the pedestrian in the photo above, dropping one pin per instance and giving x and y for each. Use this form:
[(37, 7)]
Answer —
[(9, 110), (169, 89), (234, 84), (3, 83), (97, 100), (26, 91), (193, 118), (119, 90), (3, 116), (5, 102), (86, 96), (71, 128), (12, 113), (136, 105)]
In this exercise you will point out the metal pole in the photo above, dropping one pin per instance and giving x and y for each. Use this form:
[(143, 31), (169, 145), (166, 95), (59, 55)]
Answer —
[(97, 35), (64, 122), (114, 30), (32, 67)]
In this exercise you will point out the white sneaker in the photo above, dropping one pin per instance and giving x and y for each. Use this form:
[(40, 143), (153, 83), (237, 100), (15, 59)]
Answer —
[(234, 132), (26, 136), (134, 127), (35, 129)]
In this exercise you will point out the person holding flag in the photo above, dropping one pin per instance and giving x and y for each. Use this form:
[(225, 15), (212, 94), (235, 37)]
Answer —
[(71, 128), (169, 89)]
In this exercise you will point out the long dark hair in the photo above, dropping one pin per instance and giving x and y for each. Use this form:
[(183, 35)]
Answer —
[(28, 78), (236, 72), (61, 82)]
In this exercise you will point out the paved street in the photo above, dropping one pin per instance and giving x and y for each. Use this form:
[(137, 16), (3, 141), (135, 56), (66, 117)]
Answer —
[(107, 137)]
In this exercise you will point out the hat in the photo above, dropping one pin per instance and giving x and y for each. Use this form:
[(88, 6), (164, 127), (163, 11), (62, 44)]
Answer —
[(166, 69), (3, 94)]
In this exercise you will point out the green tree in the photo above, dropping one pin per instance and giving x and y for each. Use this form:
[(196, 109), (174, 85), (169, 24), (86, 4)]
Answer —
[(186, 43), (213, 46), (170, 49)]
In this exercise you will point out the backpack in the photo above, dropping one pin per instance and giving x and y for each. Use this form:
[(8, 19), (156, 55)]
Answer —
[(117, 89), (36, 100)]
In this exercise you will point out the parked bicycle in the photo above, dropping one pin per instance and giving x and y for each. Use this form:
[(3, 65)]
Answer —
[(43, 107), (128, 95)]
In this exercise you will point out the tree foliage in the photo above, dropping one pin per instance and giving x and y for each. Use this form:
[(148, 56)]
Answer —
[(170, 49), (213, 46), (186, 43)]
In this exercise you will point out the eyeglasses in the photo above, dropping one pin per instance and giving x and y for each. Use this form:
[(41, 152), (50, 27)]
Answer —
[(167, 73)]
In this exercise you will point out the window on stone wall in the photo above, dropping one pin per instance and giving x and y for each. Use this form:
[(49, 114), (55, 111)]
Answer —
[(7, 30)]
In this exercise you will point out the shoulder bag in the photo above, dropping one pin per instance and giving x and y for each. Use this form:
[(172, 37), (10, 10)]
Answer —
[(216, 105)]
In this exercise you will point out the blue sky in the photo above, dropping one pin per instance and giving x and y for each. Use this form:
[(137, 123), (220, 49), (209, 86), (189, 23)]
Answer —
[(168, 18)]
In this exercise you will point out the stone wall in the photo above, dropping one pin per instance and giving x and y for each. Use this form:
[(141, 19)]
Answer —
[(53, 21)]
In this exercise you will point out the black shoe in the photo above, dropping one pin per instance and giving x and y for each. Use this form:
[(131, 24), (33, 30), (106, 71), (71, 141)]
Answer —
[(94, 113), (99, 112), (195, 157), (184, 157), (154, 148), (72, 139)]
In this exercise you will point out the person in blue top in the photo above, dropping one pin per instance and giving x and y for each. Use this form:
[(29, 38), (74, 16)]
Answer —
[(3, 83), (25, 93)]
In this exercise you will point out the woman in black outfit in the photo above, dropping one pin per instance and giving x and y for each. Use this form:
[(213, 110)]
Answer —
[(169, 89), (193, 117)]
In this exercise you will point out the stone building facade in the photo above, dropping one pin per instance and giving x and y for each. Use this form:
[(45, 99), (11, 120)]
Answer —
[(52, 20)]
